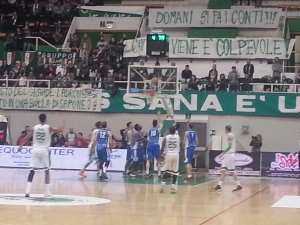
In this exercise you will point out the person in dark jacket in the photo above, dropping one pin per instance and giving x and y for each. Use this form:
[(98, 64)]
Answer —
[(256, 143)]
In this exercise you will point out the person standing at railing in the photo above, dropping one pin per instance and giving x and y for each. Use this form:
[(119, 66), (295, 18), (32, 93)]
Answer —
[(277, 70), (39, 69), (233, 79), (222, 84), (85, 47), (22, 80), (186, 75)]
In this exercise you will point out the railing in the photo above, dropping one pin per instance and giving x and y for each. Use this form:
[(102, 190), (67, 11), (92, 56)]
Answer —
[(43, 40), (143, 85), (26, 82)]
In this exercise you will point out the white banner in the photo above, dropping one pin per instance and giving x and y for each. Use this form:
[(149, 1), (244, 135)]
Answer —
[(61, 158), (243, 18), (212, 48), (64, 99)]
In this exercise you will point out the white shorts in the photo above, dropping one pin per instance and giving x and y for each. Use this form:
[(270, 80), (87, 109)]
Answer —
[(172, 163), (92, 156), (228, 162), (40, 159)]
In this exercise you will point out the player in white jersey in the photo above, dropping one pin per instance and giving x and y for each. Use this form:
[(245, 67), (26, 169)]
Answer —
[(170, 151), (40, 158), (92, 154), (228, 161)]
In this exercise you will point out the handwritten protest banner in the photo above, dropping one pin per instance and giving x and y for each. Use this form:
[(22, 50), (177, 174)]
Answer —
[(211, 48), (63, 99), (245, 18)]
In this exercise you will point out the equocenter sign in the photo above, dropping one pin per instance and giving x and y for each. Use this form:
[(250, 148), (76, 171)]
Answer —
[(239, 48), (244, 18)]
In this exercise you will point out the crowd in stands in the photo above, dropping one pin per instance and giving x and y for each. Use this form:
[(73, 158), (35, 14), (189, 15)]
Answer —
[(48, 19), (99, 73), (247, 2)]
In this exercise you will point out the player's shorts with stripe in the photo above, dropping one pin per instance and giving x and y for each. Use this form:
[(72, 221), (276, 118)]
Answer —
[(172, 163), (92, 156), (40, 159), (153, 151), (139, 155), (103, 155), (228, 162), (129, 156), (189, 153)]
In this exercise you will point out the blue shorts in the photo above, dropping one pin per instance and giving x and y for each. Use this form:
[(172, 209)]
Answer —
[(129, 153), (139, 155), (103, 155), (189, 153), (153, 151)]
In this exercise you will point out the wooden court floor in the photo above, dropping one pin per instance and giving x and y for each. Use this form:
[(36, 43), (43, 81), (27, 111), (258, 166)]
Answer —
[(136, 201)]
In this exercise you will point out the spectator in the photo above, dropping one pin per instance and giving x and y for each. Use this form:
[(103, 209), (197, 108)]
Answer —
[(249, 69), (23, 68), (28, 42), (277, 70), (222, 84), (22, 80), (58, 12), (80, 142), (9, 45), (19, 37), (45, 32), (213, 73), (50, 69), (245, 85), (97, 81), (58, 33), (109, 82), (21, 138), (256, 143), (70, 68), (39, 69), (68, 11), (266, 79), (13, 23), (186, 75), (74, 43), (49, 11), (16, 69), (193, 85), (297, 77), (85, 47), (4, 67), (26, 27), (120, 84), (31, 77), (36, 10), (35, 30), (3, 22), (102, 44), (284, 88), (71, 136), (61, 68), (233, 79), (55, 142), (121, 47), (61, 139), (113, 52), (84, 72)]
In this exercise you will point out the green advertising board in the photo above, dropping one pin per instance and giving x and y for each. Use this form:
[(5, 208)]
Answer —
[(188, 102)]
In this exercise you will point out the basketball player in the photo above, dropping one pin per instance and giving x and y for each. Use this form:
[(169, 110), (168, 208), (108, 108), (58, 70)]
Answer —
[(153, 149), (92, 156), (41, 134), (170, 150), (190, 141), (103, 142), (130, 142), (228, 161), (138, 147)]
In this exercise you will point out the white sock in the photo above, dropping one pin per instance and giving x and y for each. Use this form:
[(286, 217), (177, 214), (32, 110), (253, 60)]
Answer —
[(220, 183), (189, 176), (47, 188), (104, 169), (238, 183), (159, 172), (147, 171), (127, 171), (28, 187), (100, 171)]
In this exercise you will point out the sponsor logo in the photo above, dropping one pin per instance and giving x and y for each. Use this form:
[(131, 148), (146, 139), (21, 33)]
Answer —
[(57, 200), (282, 161), (240, 159)]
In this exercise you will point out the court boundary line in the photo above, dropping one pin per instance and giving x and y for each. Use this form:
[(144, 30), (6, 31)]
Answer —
[(231, 207)]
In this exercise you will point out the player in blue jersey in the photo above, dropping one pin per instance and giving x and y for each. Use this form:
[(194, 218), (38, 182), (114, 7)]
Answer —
[(190, 141), (130, 142), (153, 147), (103, 142)]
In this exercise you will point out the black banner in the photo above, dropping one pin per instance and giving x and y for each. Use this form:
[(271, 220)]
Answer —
[(280, 164), (247, 164)]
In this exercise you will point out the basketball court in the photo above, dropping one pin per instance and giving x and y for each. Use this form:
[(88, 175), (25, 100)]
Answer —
[(135, 200)]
